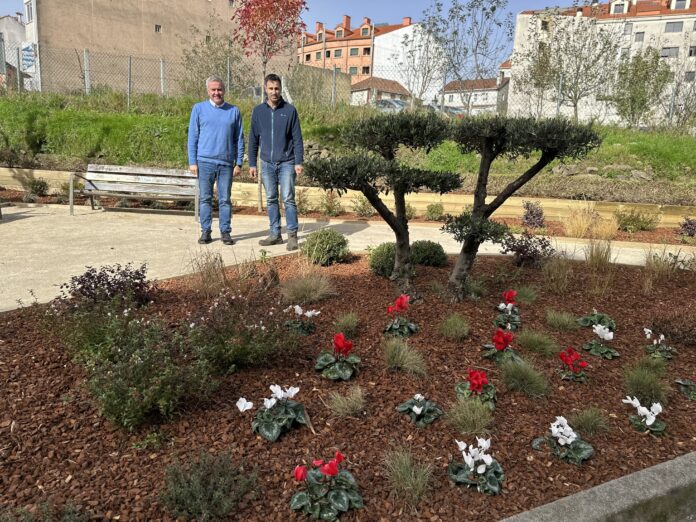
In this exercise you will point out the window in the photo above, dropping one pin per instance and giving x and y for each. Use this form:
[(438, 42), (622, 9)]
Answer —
[(640, 36), (619, 8), (365, 31), (354, 51), (545, 25), (366, 70), (317, 56), (674, 27), (690, 76), (30, 12), (692, 50), (625, 52), (339, 33), (366, 51), (628, 28), (669, 52), (451, 97), (338, 53), (328, 54), (158, 28), (307, 57), (320, 37), (353, 70), (680, 4), (208, 38), (338, 68)]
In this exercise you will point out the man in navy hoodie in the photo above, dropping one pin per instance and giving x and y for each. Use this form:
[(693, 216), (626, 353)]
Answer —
[(275, 128), (216, 152)]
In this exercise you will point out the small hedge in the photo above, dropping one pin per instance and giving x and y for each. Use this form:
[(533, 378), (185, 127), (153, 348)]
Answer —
[(381, 259), (423, 252), (325, 247)]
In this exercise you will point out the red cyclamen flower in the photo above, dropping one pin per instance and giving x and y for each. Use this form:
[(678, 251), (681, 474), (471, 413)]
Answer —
[(477, 380), (400, 305), (570, 357), (318, 462), (502, 339), (342, 346), (509, 296), (339, 457), (330, 469), (300, 473)]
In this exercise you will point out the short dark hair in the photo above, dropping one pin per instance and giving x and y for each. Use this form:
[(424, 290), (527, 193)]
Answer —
[(272, 78)]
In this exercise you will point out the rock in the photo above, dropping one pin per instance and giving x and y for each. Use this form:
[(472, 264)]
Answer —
[(565, 170), (592, 170), (324, 153), (641, 175), (617, 167)]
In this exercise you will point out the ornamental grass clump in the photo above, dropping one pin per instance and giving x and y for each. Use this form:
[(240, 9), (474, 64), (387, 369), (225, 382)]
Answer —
[(302, 323), (311, 287), (509, 317), (561, 320), (573, 366), (400, 326), (455, 327), (398, 355), (590, 421), (341, 364), (644, 382), (421, 411), (646, 420), (522, 376), (347, 324), (501, 349), (538, 342), (409, 480), (476, 386), (659, 349), (479, 470), (469, 417), (278, 414), (328, 489), (565, 443), (348, 404)]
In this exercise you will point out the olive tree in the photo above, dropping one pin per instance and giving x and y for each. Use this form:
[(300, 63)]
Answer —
[(372, 168), (495, 137)]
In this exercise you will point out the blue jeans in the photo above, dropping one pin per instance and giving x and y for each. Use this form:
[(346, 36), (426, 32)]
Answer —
[(208, 174), (283, 174)]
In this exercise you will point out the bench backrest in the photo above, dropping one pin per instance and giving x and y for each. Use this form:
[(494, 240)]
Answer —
[(140, 180)]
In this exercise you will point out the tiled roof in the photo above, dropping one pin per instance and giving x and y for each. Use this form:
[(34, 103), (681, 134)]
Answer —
[(355, 33), (484, 84), (380, 84), (641, 8), (507, 64)]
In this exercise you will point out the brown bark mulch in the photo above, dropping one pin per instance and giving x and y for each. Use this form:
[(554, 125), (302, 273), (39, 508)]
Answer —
[(54, 444)]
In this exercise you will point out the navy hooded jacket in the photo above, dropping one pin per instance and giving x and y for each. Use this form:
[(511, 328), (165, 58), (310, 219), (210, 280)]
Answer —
[(278, 133)]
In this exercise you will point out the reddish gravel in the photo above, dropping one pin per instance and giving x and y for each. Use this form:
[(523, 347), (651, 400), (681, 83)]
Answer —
[(53, 443)]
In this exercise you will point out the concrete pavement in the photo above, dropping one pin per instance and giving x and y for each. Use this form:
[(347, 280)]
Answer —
[(43, 246)]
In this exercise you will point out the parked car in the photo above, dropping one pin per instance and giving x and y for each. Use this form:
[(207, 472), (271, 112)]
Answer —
[(387, 105), (453, 112)]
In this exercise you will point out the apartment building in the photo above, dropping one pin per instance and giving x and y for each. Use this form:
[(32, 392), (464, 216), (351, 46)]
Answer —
[(666, 25)]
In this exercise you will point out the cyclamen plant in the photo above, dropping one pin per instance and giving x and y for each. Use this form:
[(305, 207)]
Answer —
[(399, 325), (341, 364), (596, 347), (688, 387), (659, 348), (421, 410), (565, 443), (479, 470), (573, 366), (598, 318), (646, 420), (328, 489), (501, 350), (509, 317), (477, 387), (302, 323), (278, 414)]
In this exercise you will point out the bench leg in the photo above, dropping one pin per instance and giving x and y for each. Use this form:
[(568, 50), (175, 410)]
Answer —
[(71, 196), (196, 203), (91, 200)]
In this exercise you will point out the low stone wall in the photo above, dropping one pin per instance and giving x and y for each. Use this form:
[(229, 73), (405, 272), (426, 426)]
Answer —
[(245, 194)]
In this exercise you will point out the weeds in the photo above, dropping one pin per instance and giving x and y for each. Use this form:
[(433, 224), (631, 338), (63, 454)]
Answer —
[(523, 377), (538, 342), (663, 265), (454, 327), (350, 404), (469, 417), (209, 276), (598, 256), (589, 422), (398, 355), (408, 479)]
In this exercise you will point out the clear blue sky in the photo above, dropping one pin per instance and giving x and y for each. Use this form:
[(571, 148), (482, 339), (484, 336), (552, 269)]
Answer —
[(331, 11)]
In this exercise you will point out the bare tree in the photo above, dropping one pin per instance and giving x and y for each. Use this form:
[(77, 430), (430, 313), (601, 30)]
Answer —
[(679, 102), (474, 36), (422, 63), (537, 79)]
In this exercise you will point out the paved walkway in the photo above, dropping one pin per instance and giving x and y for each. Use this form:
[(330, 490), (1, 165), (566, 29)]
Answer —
[(42, 247)]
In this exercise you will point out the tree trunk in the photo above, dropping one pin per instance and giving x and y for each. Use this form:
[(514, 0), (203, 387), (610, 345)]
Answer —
[(402, 258), (457, 281)]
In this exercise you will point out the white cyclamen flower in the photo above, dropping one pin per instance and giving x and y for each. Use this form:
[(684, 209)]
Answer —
[(417, 410), (483, 444), (277, 391), (269, 403), (298, 310), (291, 392), (648, 333), (468, 460), (662, 338), (288, 309), (418, 397), (244, 405), (487, 459), (633, 402), (461, 445), (656, 408), (603, 332), (481, 469), (501, 306), (312, 313), (509, 307)]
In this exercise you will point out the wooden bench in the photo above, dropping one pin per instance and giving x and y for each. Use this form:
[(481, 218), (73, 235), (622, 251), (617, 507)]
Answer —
[(136, 183)]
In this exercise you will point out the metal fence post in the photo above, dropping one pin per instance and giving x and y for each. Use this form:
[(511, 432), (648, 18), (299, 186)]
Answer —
[(333, 88), (163, 89), (19, 70), (3, 68), (88, 80), (130, 81)]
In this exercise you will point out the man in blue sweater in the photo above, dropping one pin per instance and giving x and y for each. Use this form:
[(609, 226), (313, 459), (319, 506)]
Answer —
[(275, 127), (215, 152)]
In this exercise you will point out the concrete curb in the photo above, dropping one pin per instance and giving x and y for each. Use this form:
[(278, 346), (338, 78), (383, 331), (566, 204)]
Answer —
[(665, 492)]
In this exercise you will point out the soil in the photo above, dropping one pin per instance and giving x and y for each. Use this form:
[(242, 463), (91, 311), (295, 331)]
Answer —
[(661, 235), (54, 444)]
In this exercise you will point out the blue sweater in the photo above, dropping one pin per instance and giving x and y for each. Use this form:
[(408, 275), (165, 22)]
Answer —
[(215, 134), (278, 133)]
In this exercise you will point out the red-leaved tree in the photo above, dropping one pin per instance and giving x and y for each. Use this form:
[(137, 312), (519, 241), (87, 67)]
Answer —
[(269, 26)]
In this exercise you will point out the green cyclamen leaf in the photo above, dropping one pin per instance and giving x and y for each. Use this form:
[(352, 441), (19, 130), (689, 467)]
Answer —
[(270, 431), (339, 499), (299, 500)]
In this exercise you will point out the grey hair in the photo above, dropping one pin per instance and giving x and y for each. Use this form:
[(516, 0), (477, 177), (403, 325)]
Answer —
[(212, 79)]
